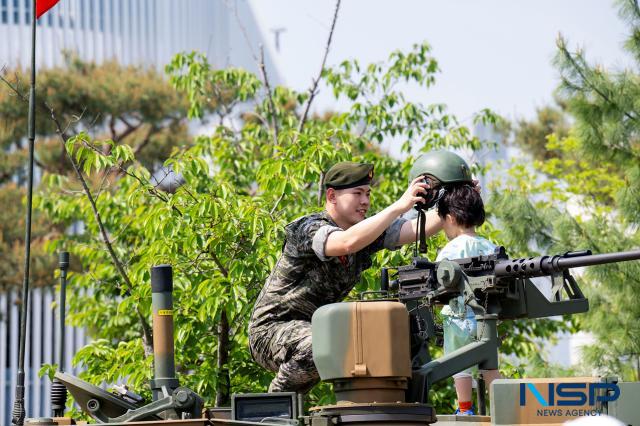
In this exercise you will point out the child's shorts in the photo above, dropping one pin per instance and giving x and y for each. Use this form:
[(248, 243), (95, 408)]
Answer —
[(459, 332)]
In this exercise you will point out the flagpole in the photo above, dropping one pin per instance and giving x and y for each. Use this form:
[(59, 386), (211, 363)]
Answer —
[(18, 405)]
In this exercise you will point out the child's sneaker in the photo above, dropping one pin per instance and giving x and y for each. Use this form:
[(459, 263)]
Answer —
[(469, 412)]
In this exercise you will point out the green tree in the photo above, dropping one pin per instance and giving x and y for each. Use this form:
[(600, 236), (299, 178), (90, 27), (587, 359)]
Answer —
[(128, 105), (258, 168), (590, 195), (531, 135)]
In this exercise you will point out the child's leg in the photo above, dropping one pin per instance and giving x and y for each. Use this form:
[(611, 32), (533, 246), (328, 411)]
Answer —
[(459, 332), (489, 376), (464, 383)]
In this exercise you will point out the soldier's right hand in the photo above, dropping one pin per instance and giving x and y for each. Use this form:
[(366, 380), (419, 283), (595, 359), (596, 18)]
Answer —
[(412, 195)]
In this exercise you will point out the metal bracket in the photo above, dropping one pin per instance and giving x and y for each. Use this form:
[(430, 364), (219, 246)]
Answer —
[(105, 407)]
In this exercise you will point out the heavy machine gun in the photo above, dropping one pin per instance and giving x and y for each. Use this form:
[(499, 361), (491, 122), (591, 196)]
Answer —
[(496, 288)]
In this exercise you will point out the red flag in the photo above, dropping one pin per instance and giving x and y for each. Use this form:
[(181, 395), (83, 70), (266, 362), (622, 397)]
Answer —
[(43, 5)]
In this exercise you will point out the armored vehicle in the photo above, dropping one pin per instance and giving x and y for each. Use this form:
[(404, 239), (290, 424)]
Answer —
[(375, 353)]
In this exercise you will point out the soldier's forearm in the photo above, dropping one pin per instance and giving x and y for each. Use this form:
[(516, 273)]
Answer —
[(361, 234)]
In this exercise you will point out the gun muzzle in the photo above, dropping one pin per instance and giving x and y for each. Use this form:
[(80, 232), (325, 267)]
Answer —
[(598, 259), (163, 345), (547, 265)]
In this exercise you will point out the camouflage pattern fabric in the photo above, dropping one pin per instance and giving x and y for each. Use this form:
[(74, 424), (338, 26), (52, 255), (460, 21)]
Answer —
[(286, 349), (303, 280)]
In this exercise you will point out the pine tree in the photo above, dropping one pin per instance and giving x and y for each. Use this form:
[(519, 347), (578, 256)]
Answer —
[(128, 105), (590, 195)]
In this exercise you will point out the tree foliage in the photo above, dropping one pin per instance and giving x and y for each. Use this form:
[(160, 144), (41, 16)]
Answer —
[(589, 195), (128, 105), (257, 167), (532, 135), (222, 228)]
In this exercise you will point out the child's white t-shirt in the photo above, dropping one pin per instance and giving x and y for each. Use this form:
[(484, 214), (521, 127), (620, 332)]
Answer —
[(460, 247)]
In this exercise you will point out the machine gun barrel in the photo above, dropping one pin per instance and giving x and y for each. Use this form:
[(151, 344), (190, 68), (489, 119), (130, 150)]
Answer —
[(547, 265), (598, 259)]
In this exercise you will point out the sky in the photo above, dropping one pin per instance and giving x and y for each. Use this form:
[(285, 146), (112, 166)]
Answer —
[(492, 54)]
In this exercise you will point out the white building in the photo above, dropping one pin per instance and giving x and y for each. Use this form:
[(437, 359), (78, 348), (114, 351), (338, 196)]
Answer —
[(140, 32), (133, 32)]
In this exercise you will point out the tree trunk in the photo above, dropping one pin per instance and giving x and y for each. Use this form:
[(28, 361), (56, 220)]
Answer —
[(223, 386)]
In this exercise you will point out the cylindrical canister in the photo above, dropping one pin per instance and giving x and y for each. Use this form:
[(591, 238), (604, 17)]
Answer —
[(163, 345)]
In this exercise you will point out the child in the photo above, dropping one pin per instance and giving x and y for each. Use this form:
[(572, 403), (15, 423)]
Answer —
[(461, 210)]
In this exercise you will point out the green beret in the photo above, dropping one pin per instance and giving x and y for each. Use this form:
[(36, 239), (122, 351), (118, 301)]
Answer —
[(348, 175)]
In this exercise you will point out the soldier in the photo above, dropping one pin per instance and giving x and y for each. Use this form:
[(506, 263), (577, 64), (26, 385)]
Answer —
[(321, 261)]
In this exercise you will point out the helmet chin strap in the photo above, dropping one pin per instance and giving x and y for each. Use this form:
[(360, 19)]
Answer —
[(422, 219), (436, 200)]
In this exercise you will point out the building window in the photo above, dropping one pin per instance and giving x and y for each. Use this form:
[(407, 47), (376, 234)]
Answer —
[(101, 14), (91, 15), (71, 14), (27, 12), (83, 14), (121, 12), (16, 11), (4, 12), (112, 23)]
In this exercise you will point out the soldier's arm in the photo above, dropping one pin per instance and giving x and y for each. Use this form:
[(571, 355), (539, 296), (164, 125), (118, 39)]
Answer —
[(362, 234), (433, 225)]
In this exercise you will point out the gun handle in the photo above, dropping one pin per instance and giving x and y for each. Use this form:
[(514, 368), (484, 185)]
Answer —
[(384, 279)]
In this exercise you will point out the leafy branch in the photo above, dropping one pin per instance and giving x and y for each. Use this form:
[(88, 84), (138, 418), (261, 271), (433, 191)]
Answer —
[(147, 337)]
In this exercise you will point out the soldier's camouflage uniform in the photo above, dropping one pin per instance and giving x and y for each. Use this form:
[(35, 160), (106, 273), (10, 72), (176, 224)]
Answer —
[(302, 281)]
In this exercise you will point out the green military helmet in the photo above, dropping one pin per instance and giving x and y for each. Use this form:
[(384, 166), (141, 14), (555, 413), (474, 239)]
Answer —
[(445, 166)]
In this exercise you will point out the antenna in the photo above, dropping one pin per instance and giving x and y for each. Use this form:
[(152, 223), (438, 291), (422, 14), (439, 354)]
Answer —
[(58, 389), (276, 32)]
